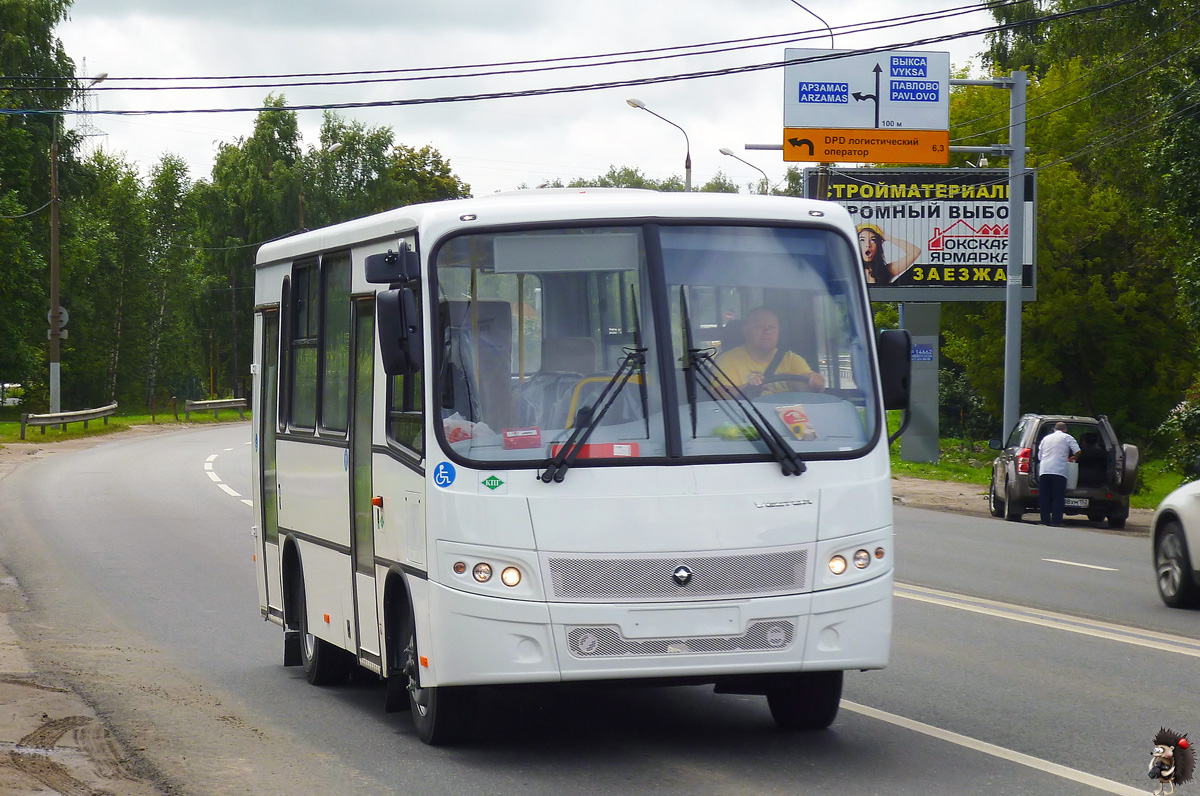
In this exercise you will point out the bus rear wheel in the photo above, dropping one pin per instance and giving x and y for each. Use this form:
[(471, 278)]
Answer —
[(324, 664), (440, 714), (805, 700)]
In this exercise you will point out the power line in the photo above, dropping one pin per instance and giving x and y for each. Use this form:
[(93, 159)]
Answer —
[(570, 89), (1078, 100), (1112, 63), (566, 61)]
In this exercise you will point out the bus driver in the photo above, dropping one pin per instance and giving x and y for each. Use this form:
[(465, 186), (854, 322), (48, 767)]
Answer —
[(759, 359)]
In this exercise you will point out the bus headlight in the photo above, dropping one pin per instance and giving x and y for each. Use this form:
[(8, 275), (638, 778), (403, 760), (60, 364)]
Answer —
[(837, 565), (510, 576), (861, 559), (482, 572)]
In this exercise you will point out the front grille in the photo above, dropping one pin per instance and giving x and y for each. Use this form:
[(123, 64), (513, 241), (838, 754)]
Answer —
[(651, 578), (595, 642)]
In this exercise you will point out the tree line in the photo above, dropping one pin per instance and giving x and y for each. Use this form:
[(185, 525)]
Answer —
[(157, 272)]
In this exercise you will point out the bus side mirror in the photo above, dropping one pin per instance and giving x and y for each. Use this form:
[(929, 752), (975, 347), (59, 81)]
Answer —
[(392, 267), (401, 342), (895, 367)]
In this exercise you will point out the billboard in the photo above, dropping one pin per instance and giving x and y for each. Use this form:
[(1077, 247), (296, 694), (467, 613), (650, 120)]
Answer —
[(934, 234)]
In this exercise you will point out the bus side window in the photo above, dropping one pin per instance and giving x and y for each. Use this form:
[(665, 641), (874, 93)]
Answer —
[(406, 413), (302, 364)]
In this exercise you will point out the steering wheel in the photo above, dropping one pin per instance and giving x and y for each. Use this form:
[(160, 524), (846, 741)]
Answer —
[(801, 380)]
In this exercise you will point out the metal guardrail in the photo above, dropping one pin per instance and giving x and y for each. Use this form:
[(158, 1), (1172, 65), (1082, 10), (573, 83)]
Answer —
[(223, 403), (62, 418)]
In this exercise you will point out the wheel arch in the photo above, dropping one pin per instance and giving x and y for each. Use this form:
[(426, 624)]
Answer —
[(292, 571), (397, 601)]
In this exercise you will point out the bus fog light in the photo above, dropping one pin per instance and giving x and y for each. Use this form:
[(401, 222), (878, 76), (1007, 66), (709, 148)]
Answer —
[(510, 576), (460, 567), (861, 559), (879, 553), (837, 565), (482, 572)]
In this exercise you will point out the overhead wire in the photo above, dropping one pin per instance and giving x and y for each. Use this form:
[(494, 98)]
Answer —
[(1078, 100), (577, 88), (700, 49)]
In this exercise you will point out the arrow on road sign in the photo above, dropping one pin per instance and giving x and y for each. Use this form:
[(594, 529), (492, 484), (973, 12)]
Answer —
[(799, 142), (858, 95)]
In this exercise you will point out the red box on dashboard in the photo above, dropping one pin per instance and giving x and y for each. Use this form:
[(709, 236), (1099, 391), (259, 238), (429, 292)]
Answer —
[(515, 438)]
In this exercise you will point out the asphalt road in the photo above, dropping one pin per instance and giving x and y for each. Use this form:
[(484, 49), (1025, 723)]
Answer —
[(1025, 660)]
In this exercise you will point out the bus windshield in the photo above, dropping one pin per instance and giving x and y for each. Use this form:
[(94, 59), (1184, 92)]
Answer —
[(764, 325)]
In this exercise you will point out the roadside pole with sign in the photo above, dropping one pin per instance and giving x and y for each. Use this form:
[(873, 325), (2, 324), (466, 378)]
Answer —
[(886, 108)]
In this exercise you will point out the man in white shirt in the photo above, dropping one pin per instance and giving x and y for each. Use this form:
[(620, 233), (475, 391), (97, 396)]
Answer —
[(1054, 451)]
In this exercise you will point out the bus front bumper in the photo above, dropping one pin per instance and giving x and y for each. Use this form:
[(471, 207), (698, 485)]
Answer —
[(484, 640)]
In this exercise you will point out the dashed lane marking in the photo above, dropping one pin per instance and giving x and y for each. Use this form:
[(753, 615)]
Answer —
[(1020, 758)]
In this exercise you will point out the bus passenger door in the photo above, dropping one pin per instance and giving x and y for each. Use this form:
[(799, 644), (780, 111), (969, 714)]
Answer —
[(362, 490), (270, 594)]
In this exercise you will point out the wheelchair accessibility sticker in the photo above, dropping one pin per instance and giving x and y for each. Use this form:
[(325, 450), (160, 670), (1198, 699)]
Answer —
[(443, 475)]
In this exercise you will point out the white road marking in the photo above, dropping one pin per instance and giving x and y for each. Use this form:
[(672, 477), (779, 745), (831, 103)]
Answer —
[(229, 491), (211, 458), (1138, 637), (208, 466), (227, 450), (1078, 564), (1036, 763), (216, 478), (248, 502)]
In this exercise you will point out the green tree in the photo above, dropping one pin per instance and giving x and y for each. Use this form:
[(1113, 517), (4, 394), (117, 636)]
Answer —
[(174, 351), (104, 282), (38, 75), (1107, 258)]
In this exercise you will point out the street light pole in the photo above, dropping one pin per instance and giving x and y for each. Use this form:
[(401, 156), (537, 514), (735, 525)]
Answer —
[(766, 180), (687, 163)]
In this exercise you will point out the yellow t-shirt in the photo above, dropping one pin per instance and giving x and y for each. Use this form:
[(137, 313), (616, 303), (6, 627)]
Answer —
[(739, 366)]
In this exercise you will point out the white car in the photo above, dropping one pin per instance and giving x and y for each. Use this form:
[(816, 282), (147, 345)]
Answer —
[(1176, 532)]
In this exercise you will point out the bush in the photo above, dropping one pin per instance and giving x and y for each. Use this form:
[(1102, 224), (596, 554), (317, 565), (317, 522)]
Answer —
[(961, 412), (1180, 433)]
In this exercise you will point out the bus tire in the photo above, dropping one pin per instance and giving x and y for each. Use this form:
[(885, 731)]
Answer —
[(440, 714), (805, 700), (324, 664)]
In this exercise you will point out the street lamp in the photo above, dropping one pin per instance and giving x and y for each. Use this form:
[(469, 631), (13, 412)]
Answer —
[(54, 353), (687, 163), (766, 180)]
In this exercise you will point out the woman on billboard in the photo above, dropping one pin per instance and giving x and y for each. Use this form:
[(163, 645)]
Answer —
[(879, 271)]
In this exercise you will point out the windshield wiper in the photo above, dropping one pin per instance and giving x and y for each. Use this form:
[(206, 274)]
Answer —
[(723, 389), (556, 467), (698, 366)]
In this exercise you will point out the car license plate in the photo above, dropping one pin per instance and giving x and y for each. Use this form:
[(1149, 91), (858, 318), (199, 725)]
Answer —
[(1076, 503)]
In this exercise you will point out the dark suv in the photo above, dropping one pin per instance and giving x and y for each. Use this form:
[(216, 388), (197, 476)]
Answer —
[(1106, 470)]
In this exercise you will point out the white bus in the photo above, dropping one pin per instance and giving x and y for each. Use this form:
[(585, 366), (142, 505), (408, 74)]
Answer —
[(502, 440)]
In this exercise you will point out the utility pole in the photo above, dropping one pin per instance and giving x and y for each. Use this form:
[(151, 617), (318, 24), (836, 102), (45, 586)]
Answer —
[(55, 326)]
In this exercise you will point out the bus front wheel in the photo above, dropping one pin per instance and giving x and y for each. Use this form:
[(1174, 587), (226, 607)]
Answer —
[(440, 714), (805, 700)]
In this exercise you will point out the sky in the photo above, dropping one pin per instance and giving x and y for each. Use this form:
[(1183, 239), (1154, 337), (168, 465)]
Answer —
[(498, 144)]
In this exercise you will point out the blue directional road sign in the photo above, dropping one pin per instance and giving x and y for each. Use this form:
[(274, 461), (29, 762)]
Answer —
[(896, 90)]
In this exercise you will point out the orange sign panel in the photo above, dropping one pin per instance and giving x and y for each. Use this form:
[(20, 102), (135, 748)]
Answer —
[(848, 145)]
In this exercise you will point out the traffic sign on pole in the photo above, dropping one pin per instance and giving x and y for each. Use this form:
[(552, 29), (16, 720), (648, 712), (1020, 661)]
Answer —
[(852, 145), (894, 90)]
